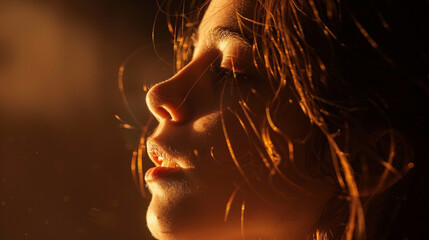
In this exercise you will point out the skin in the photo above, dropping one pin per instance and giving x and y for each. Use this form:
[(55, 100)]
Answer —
[(187, 107)]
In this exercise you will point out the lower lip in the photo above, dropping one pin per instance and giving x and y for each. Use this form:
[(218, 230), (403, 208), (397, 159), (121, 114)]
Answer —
[(160, 173)]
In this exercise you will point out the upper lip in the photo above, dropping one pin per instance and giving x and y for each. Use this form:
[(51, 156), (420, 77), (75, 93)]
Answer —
[(158, 154)]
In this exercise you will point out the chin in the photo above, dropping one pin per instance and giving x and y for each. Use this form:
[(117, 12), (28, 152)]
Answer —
[(185, 217), (157, 226), (163, 213), (160, 219), (173, 211)]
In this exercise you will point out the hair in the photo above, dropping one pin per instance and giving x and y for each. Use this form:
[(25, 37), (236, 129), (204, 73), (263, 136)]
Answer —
[(358, 70)]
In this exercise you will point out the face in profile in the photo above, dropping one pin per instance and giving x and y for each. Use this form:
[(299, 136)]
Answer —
[(210, 181)]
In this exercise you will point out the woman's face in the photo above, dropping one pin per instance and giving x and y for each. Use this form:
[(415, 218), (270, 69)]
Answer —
[(200, 147)]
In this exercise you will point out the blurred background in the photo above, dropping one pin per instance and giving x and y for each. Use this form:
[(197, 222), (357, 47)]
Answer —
[(64, 159)]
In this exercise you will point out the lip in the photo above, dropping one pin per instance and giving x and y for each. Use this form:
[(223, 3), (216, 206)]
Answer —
[(163, 173), (158, 154)]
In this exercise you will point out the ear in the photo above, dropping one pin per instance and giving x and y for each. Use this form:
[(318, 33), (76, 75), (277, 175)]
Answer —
[(379, 160)]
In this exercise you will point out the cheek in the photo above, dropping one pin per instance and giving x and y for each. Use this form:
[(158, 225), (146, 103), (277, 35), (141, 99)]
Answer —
[(292, 120), (217, 134), (263, 132), (207, 123)]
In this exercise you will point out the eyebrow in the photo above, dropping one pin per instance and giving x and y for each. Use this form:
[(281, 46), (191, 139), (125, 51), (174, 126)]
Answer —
[(220, 33)]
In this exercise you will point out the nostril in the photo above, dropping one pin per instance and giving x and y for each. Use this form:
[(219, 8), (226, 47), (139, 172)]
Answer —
[(163, 113)]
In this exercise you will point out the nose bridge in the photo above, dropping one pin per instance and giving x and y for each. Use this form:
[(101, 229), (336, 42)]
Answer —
[(175, 99)]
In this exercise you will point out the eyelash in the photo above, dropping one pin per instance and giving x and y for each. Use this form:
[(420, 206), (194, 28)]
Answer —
[(226, 73)]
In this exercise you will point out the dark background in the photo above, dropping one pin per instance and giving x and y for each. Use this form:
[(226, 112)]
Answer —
[(64, 159)]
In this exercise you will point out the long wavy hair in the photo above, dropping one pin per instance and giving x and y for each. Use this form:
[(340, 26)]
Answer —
[(355, 68)]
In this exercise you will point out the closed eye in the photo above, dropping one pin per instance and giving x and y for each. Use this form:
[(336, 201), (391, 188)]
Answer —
[(222, 73)]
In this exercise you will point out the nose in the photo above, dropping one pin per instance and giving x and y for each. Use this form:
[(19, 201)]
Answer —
[(179, 98), (166, 101)]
